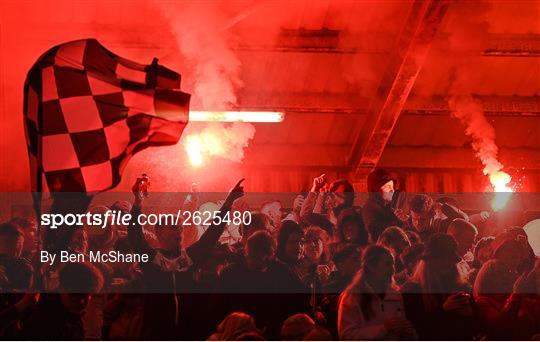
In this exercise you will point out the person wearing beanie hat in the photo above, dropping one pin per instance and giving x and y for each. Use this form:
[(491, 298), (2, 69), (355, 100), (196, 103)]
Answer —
[(378, 178), (378, 212)]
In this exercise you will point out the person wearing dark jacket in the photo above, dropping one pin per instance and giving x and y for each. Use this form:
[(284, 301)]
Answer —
[(12, 314), (378, 212), (15, 272), (16, 276), (262, 286), (350, 230), (347, 261), (58, 316), (437, 299), (259, 221), (492, 289), (53, 320), (523, 306), (290, 246), (171, 269)]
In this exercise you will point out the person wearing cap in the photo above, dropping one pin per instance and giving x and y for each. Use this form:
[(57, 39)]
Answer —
[(437, 298), (378, 212)]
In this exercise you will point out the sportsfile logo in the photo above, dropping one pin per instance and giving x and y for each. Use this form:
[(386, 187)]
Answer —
[(119, 218)]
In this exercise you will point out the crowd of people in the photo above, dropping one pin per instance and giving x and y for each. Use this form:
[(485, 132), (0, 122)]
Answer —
[(325, 269)]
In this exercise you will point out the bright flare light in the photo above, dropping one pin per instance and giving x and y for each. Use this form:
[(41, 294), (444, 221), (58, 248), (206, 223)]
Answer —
[(500, 180), (197, 116), (200, 146), (193, 149)]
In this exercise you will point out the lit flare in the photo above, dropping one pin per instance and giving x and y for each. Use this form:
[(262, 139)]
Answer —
[(500, 180)]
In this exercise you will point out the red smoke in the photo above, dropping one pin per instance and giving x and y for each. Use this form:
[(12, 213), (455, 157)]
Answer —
[(470, 39)]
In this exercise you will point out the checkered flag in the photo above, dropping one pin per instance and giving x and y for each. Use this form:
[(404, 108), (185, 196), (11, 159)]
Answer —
[(87, 111)]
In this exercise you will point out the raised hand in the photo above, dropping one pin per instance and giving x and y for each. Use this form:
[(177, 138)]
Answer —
[(140, 188), (484, 216), (318, 183), (236, 192), (298, 203)]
